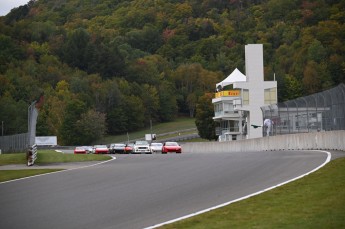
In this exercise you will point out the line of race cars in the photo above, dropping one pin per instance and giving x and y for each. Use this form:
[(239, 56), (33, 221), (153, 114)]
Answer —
[(138, 147)]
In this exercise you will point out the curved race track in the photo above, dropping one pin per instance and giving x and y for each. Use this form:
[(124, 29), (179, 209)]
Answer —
[(138, 191)]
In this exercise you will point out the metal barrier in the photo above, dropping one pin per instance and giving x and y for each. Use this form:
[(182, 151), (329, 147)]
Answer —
[(21, 142), (14, 143), (327, 140)]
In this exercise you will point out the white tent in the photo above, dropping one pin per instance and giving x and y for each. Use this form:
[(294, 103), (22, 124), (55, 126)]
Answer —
[(235, 76)]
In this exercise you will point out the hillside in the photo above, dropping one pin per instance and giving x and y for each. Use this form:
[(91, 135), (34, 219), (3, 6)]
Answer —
[(113, 66)]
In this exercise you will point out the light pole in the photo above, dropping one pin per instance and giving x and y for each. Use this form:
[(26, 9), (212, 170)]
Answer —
[(2, 128), (151, 128)]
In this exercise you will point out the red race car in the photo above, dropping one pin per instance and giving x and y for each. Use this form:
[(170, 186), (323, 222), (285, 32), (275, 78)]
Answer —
[(129, 148), (100, 149), (170, 147), (79, 150)]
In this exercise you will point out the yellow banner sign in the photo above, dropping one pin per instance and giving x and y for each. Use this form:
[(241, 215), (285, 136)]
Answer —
[(234, 93)]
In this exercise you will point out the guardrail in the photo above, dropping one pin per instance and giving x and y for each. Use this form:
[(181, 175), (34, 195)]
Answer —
[(31, 155), (180, 136), (176, 132)]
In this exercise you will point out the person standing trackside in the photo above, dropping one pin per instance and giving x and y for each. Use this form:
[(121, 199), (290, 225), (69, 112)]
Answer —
[(268, 123)]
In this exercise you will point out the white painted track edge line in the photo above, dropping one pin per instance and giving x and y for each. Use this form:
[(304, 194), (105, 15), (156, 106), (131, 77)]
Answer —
[(328, 159), (63, 170)]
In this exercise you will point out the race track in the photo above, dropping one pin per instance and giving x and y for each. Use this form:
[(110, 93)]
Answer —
[(138, 191)]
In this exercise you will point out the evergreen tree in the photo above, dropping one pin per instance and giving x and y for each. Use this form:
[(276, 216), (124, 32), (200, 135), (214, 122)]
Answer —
[(203, 118)]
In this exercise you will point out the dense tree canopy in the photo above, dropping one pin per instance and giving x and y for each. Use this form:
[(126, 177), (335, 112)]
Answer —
[(120, 64), (203, 120)]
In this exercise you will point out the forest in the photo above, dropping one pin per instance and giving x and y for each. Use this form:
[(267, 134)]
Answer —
[(113, 66)]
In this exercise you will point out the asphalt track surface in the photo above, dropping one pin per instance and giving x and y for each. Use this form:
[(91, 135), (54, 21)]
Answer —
[(138, 191)]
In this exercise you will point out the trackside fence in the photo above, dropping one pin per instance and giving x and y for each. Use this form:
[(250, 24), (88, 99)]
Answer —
[(14, 143), (24, 142), (323, 111)]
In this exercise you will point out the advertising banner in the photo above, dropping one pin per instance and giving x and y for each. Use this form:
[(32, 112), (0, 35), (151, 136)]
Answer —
[(46, 141)]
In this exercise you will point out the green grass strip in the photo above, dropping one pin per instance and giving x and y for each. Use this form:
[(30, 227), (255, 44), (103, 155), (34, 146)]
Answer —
[(315, 201), (50, 156), (44, 157), (6, 175), (13, 158)]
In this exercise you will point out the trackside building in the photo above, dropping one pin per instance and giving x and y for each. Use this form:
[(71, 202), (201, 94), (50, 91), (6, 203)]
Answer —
[(239, 98)]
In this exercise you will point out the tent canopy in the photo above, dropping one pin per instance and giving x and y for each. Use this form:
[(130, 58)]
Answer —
[(235, 76)]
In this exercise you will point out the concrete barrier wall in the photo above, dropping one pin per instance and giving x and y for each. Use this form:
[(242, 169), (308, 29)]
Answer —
[(329, 140)]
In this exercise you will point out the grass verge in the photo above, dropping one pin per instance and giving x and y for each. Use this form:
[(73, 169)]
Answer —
[(6, 175), (50, 156), (44, 157), (12, 158), (316, 201)]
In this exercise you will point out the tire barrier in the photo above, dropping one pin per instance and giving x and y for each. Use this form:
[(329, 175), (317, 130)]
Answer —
[(31, 155)]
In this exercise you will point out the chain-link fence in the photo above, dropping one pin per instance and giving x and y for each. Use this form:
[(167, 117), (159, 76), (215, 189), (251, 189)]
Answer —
[(322, 111), (14, 143), (21, 142)]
